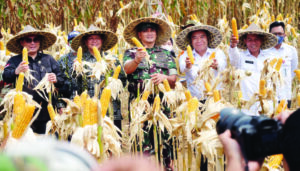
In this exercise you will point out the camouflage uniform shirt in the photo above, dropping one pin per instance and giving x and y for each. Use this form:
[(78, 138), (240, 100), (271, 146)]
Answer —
[(162, 62)]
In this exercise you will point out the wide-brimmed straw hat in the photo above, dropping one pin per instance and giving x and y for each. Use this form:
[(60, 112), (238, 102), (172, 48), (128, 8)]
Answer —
[(214, 37), (163, 30), (269, 40), (48, 39), (109, 39)]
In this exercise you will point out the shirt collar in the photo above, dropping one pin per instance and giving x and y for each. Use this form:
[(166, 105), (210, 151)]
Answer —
[(207, 53), (247, 52)]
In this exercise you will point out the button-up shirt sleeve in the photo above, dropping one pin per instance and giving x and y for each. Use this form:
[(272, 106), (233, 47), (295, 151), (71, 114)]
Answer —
[(221, 58), (294, 61), (190, 73), (234, 56)]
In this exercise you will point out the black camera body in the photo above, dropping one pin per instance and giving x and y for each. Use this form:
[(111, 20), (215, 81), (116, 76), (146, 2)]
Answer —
[(258, 136)]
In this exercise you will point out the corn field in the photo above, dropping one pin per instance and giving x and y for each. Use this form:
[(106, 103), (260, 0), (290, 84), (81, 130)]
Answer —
[(15, 13)]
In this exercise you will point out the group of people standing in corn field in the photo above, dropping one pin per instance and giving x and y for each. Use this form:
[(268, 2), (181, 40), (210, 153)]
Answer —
[(155, 61)]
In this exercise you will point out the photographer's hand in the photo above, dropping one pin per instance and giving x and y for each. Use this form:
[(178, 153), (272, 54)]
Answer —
[(235, 159)]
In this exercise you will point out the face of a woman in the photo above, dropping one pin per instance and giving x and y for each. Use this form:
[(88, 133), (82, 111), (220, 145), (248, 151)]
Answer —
[(93, 41)]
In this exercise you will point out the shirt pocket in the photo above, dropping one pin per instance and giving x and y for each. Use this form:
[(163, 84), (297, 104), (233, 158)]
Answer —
[(162, 68), (249, 65)]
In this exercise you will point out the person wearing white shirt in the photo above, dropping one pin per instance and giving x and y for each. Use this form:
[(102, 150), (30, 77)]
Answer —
[(290, 61), (203, 39), (251, 56)]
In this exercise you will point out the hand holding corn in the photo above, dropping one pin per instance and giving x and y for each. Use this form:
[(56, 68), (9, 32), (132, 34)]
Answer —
[(52, 77), (22, 67), (233, 41), (140, 55)]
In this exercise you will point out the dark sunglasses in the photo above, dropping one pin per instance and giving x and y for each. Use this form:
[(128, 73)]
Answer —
[(35, 40)]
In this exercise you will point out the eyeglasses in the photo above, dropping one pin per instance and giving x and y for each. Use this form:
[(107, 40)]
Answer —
[(35, 40), (278, 34)]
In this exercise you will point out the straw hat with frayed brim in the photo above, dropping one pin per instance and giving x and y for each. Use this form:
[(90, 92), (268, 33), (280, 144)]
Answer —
[(214, 38), (48, 39), (163, 32), (109, 39), (269, 40)]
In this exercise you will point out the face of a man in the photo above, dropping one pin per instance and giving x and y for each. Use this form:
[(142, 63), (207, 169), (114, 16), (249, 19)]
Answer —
[(199, 41), (253, 42), (93, 41), (32, 43), (147, 36), (278, 31)]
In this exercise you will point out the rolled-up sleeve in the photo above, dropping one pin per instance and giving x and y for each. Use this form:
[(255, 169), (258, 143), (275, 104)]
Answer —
[(234, 56)]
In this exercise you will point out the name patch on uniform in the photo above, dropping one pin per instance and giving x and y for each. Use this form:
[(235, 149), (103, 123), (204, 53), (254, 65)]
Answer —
[(249, 62)]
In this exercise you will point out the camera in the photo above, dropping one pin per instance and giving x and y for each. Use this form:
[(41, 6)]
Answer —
[(258, 136)]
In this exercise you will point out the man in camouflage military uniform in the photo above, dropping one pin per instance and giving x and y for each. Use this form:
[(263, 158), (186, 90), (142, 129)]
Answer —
[(152, 32), (102, 40)]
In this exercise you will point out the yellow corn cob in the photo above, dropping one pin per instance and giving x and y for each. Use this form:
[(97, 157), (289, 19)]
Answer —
[(19, 104), (7, 52), (97, 54), (273, 18), (8, 31), (293, 32), (298, 99), (19, 84), (257, 12), (207, 86), (2, 30), (62, 50), (167, 85), (121, 58), (190, 54), (262, 89), (275, 161), (1, 45), (278, 65), (77, 101), (173, 34), (216, 95), (99, 14), (93, 112), (188, 95), (75, 22), (117, 72), (273, 61), (290, 20), (138, 43), (66, 38), (234, 28), (195, 18), (79, 55), (240, 94), (279, 17), (170, 19), (213, 55), (280, 106), (83, 97), (51, 111), (145, 95), (244, 27), (121, 4), (297, 72), (22, 27), (86, 112), (22, 122), (287, 15), (156, 104), (193, 105), (59, 33), (104, 100)]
